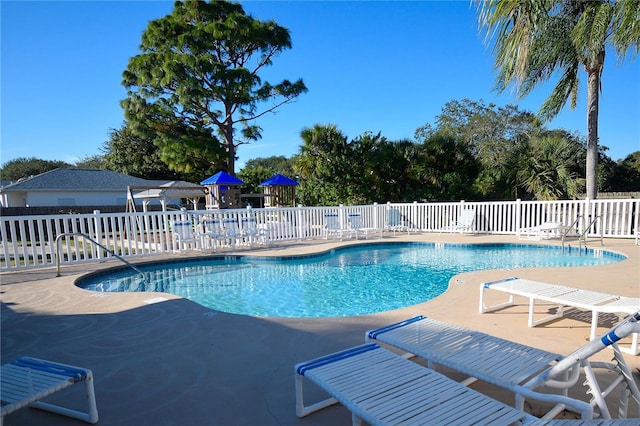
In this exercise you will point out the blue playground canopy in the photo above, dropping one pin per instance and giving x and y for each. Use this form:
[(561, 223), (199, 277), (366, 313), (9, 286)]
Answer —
[(222, 178), (279, 180)]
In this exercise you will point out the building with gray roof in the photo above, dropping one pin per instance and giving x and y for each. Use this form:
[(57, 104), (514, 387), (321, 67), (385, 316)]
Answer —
[(73, 187)]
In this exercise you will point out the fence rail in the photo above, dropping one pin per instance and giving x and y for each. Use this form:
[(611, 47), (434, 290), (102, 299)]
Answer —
[(29, 241)]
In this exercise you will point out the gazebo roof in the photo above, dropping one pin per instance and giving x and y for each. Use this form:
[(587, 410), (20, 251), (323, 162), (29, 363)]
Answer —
[(279, 180), (222, 178), (171, 189)]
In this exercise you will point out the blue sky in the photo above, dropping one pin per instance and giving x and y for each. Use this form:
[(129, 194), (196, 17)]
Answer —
[(384, 67)]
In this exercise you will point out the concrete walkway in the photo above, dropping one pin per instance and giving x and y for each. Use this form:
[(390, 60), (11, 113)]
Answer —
[(178, 363)]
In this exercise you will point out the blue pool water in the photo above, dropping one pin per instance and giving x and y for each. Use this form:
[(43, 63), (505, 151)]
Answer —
[(347, 281)]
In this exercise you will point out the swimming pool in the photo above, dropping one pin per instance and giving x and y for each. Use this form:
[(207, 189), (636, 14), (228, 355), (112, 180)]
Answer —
[(346, 281)]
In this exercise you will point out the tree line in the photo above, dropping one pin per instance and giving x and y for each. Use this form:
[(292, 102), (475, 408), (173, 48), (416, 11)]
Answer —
[(472, 151)]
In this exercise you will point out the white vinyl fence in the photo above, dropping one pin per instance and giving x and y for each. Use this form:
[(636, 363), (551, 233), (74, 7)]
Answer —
[(30, 241)]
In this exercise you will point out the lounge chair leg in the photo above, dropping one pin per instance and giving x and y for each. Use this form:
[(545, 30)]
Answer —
[(91, 416), (534, 323), (301, 410), (594, 324), (484, 309), (355, 420)]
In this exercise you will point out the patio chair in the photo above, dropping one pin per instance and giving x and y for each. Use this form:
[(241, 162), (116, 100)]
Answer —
[(395, 222), (383, 388), (545, 230), (464, 223), (519, 368), (183, 233), (250, 231), (231, 231), (561, 296), (25, 381), (356, 226), (211, 232), (332, 226)]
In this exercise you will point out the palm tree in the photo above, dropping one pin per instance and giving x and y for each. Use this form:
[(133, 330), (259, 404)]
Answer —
[(323, 166), (536, 38), (548, 170)]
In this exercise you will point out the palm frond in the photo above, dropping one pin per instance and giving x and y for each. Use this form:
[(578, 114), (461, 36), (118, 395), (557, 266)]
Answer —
[(566, 90), (513, 25), (591, 30), (626, 27)]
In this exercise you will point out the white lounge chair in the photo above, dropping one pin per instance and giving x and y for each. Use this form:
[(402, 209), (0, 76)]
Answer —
[(332, 227), (25, 381), (517, 368), (465, 222), (561, 296), (395, 222), (356, 226), (184, 234), (383, 388), (545, 230)]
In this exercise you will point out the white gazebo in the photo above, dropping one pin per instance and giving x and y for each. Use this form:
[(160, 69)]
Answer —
[(167, 193)]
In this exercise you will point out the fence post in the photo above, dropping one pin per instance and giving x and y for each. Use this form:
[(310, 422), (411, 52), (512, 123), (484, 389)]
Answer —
[(97, 229), (636, 219), (300, 230), (517, 220), (586, 217), (375, 215)]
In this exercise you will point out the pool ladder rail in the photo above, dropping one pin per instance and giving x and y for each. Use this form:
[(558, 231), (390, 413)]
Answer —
[(114, 254), (582, 236)]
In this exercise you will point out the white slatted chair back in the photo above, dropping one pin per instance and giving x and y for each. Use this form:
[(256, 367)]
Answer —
[(231, 228), (183, 231)]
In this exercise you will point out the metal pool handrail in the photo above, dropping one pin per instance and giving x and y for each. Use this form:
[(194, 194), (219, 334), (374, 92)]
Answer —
[(582, 236), (80, 234), (570, 227)]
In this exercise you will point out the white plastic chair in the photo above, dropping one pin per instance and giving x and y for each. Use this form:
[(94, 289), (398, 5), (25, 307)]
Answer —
[(395, 222), (519, 368), (545, 230), (464, 223), (561, 296), (211, 232), (383, 388), (332, 226), (183, 233), (232, 231), (250, 231), (25, 381), (356, 226)]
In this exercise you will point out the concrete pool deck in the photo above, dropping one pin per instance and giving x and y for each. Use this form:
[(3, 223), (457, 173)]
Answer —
[(162, 360)]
